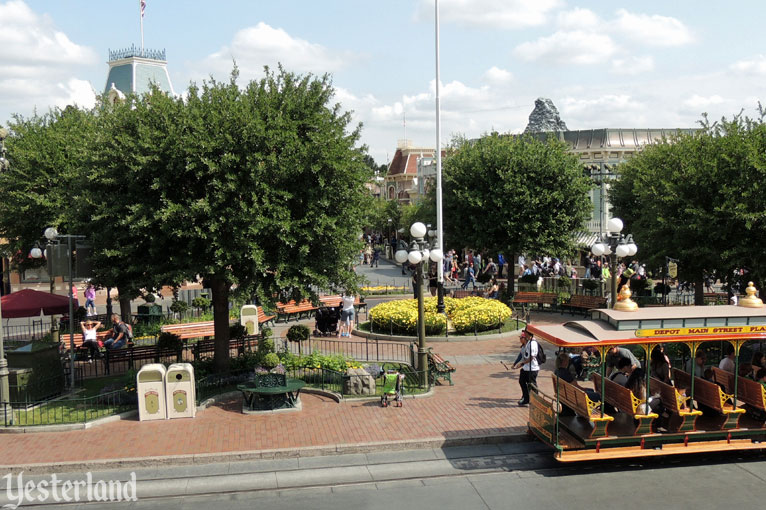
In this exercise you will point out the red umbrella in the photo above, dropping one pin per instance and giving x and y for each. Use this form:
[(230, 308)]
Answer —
[(29, 303)]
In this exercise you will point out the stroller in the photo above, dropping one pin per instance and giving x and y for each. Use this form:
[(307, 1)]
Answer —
[(393, 386), (327, 321)]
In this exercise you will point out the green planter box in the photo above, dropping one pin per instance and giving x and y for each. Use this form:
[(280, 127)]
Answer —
[(149, 313), (38, 372)]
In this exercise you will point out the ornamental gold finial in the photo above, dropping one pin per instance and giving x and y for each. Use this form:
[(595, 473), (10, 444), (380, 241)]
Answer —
[(751, 300), (624, 303)]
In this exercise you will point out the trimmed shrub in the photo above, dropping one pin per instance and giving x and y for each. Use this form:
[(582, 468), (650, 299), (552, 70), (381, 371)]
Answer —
[(170, 341), (271, 360), (298, 333)]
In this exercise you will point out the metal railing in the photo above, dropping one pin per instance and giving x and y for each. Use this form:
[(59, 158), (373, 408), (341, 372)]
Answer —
[(368, 350), (69, 410)]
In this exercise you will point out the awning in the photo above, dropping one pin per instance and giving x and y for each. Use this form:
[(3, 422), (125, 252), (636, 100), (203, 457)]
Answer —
[(585, 239), (29, 303)]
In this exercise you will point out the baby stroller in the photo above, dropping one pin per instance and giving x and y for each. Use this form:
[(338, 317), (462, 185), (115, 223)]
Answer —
[(393, 387), (327, 321)]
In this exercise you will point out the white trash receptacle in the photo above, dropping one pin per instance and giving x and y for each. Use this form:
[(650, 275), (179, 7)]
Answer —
[(150, 386), (248, 317), (180, 392)]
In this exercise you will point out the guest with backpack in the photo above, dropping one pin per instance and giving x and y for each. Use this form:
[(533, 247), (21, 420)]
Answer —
[(120, 334), (529, 363)]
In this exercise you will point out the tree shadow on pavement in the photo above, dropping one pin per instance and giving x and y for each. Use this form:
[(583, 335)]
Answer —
[(490, 402)]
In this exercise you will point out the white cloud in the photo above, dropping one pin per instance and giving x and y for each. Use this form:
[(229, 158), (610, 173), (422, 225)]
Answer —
[(699, 102), (254, 47), (575, 47), (578, 19), (632, 65), (652, 30), (39, 63), (755, 65), (495, 75), (503, 14)]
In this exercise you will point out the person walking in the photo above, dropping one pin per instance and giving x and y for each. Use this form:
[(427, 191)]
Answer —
[(529, 365), (470, 277), (90, 299)]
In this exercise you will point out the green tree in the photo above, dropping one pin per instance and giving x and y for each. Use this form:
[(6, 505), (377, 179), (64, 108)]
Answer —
[(261, 188), (699, 198), (513, 194)]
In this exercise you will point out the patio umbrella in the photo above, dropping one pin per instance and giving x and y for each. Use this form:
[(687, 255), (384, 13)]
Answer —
[(29, 303)]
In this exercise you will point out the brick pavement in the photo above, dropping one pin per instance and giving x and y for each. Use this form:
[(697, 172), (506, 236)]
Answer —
[(481, 403)]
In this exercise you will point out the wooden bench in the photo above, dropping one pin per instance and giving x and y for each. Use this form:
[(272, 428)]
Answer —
[(190, 329), (584, 303), (711, 395), (682, 419), (749, 392), (289, 310), (577, 400), (715, 298), (438, 367), (622, 399), (338, 300), (539, 298), (460, 293)]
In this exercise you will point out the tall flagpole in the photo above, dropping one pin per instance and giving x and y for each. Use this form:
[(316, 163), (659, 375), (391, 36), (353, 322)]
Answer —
[(141, 7), (439, 222)]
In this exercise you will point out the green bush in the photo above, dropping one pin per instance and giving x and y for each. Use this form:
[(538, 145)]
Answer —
[(237, 331), (266, 345), (179, 307), (298, 333), (201, 302), (149, 297), (169, 341), (271, 360)]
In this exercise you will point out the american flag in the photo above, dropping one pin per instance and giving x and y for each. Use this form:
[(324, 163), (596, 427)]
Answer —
[(143, 7)]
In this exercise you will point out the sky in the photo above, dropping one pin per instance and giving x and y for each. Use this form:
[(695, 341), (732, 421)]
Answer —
[(650, 64)]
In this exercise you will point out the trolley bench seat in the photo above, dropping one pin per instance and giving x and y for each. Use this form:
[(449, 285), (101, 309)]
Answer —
[(711, 395), (748, 391), (577, 400), (623, 400), (682, 419)]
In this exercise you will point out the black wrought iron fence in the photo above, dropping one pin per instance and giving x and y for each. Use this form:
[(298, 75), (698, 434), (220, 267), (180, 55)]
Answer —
[(367, 350), (69, 410)]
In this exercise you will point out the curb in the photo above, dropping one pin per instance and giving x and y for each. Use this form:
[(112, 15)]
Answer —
[(518, 436), (68, 426)]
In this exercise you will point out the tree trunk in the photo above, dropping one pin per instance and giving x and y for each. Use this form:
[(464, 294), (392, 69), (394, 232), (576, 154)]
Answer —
[(125, 312), (699, 291), (220, 290)]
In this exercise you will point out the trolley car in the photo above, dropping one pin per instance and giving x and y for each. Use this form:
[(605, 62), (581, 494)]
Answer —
[(727, 413)]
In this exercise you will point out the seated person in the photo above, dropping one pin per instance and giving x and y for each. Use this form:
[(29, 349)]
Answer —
[(89, 338), (659, 367), (615, 354), (493, 290), (119, 336), (746, 370), (637, 385), (727, 363), (699, 364), (563, 372), (624, 369), (760, 376)]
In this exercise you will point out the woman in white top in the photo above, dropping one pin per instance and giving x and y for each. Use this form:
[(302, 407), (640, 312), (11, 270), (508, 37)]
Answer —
[(347, 315), (90, 338)]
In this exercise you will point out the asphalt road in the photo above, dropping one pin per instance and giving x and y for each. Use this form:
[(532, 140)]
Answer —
[(507, 476)]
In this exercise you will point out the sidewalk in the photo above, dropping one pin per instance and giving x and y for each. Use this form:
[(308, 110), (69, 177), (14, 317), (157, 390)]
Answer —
[(481, 406)]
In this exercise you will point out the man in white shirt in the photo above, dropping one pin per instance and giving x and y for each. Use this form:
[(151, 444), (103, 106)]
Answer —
[(528, 364), (727, 363)]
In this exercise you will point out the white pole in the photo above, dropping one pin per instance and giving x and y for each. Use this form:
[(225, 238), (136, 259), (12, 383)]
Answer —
[(141, 16), (439, 223)]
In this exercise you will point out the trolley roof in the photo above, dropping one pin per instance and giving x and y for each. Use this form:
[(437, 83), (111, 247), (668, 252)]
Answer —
[(658, 325)]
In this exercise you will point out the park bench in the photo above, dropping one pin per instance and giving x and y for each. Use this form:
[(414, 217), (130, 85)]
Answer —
[(711, 395), (338, 300), (749, 392), (264, 318), (578, 401), (439, 367), (539, 298), (291, 309), (622, 399), (682, 418), (190, 329), (270, 392), (460, 293), (584, 303), (716, 298)]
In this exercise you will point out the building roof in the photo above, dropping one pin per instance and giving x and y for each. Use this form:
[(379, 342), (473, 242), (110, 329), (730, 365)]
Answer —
[(612, 138)]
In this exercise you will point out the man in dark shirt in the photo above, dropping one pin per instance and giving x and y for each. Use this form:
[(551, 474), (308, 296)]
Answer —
[(119, 336)]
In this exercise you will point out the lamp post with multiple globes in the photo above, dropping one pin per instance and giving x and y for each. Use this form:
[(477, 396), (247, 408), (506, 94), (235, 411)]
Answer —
[(614, 244), (418, 253)]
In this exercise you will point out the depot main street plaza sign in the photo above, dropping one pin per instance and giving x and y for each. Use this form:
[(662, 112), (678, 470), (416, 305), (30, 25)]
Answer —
[(717, 330)]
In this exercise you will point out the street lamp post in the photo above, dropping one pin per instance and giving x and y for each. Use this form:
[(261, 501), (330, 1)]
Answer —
[(5, 394), (419, 252), (52, 235), (614, 244)]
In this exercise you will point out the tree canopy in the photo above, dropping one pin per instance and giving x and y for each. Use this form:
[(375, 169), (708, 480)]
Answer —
[(259, 188), (514, 194), (699, 198)]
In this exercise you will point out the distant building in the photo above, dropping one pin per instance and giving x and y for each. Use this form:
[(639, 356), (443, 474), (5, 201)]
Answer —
[(133, 70), (401, 182)]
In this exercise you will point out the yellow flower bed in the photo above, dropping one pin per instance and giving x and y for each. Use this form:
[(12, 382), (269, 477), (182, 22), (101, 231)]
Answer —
[(383, 289), (467, 315)]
